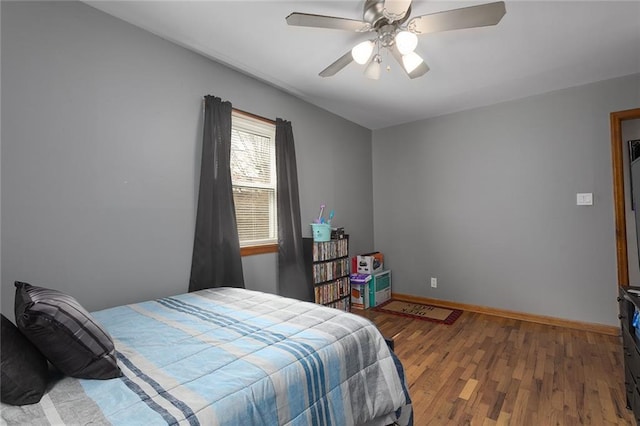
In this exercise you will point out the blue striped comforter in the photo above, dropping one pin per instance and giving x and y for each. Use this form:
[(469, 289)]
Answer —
[(233, 357)]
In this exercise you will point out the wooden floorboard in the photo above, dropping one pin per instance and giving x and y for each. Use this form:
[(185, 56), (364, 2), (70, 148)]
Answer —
[(486, 370)]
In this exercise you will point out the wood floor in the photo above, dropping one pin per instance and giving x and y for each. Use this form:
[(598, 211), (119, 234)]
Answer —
[(486, 370)]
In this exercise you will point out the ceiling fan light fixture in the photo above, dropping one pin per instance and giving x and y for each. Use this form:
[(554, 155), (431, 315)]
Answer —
[(396, 30), (411, 61), (372, 70), (362, 52), (406, 42)]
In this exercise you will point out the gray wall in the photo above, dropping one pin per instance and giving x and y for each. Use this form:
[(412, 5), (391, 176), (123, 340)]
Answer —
[(485, 200), (101, 135), (630, 131)]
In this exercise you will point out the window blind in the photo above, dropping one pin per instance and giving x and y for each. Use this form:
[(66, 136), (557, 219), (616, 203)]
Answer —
[(254, 180)]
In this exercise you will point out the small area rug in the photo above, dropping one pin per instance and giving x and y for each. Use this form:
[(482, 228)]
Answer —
[(420, 311)]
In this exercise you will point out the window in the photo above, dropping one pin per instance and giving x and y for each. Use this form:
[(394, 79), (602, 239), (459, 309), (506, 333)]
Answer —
[(253, 175)]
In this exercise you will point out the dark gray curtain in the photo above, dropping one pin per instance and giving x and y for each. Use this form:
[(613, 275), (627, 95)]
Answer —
[(292, 280), (216, 260)]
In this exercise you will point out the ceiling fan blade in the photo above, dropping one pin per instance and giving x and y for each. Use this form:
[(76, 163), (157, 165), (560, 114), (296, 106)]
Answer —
[(420, 70), (331, 22), (338, 65), (467, 17), (395, 10)]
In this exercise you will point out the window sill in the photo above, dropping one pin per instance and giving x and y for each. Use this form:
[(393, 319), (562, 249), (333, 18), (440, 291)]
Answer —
[(261, 249)]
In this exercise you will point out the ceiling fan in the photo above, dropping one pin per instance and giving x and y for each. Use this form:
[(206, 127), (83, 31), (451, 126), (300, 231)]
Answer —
[(387, 18)]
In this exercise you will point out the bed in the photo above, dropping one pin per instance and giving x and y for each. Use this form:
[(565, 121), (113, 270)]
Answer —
[(230, 356)]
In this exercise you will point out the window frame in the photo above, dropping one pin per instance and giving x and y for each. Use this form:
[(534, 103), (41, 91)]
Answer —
[(272, 246)]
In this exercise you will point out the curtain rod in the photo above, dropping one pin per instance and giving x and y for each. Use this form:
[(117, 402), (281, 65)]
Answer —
[(257, 117)]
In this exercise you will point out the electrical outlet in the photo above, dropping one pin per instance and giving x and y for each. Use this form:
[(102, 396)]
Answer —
[(434, 282)]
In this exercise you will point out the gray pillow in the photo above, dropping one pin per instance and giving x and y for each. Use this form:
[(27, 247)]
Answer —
[(65, 333), (25, 372)]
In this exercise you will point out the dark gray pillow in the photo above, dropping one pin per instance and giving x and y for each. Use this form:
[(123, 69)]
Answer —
[(25, 371), (65, 333)]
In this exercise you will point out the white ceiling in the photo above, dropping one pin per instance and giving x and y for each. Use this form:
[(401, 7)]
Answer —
[(538, 46)]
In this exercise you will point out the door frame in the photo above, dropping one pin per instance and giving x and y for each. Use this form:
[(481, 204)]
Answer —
[(616, 119)]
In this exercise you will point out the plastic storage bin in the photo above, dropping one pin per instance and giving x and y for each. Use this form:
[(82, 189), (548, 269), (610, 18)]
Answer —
[(360, 291), (380, 288), (321, 232)]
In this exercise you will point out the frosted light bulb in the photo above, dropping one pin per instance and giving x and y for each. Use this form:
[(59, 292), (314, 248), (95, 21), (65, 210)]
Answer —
[(406, 42), (373, 69), (411, 61), (361, 52)]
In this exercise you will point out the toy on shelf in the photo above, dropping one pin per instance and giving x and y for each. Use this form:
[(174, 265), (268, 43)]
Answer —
[(321, 228)]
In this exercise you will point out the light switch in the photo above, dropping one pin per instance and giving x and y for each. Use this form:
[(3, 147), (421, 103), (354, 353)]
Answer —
[(584, 199)]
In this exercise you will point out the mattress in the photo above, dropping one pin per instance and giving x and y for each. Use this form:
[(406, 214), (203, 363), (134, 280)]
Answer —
[(230, 356)]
